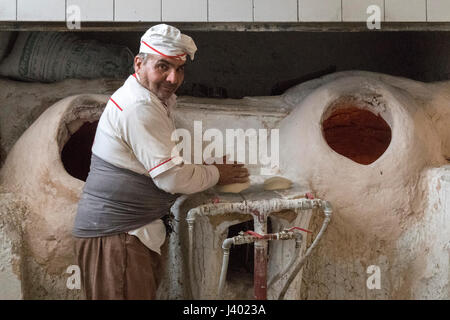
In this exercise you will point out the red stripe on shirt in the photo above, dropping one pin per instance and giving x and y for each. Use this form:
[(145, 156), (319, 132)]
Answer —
[(159, 164), (116, 104)]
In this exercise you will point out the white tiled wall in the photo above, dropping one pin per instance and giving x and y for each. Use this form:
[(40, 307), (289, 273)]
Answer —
[(41, 10), (98, 10), (438, 10), (269, 10), (184, 10), (230, 10), (356, 10), (8, 10), (323, 10), (406, 10), (137, 10), (227, 10)]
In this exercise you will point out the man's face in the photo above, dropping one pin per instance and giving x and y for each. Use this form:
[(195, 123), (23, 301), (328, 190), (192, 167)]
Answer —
[(161, 75)]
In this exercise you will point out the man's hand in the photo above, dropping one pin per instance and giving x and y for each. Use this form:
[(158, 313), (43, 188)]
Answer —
[(232, 173)]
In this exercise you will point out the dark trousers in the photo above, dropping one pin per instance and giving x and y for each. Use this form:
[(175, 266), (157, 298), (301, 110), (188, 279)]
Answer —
[(117, 267)]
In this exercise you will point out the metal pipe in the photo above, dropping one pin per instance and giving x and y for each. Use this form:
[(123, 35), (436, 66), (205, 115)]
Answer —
[(226, 255), (260, 265), (260, 270), (249, 207), (328, 211), (260, 210), (190, 220), (244, 239), (298, 242)]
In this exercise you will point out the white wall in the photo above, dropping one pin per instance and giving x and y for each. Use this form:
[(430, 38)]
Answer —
[(226, 10)]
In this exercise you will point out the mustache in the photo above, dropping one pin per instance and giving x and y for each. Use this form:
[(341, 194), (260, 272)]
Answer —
[(169, 86)]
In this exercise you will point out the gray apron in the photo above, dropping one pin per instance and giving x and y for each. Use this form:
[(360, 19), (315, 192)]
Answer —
[(116, 200)]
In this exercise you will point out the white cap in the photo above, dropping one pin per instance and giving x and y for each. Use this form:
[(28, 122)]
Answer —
[(167, 41)]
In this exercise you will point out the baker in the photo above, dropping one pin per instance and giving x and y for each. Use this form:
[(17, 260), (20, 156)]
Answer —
[(134, 179)]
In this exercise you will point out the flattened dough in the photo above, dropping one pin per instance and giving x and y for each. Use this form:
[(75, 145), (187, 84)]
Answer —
[(234, 187), (277, 183)]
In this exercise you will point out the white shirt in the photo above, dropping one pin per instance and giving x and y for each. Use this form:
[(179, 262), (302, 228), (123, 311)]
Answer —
[(134, 132)]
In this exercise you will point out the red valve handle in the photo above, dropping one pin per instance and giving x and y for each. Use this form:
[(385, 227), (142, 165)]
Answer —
[(299, 229)]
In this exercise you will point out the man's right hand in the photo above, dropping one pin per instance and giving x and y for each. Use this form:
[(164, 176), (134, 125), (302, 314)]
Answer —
[(232, 173)]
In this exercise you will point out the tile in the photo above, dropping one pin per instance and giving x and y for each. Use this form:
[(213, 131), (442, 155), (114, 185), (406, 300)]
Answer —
[(269, 10), (184, 10), (356, 10), (230, 10), (405, 10), (7, 10), (41, 10), (137, 10), (438, 10), (98, 10), (323, 10)]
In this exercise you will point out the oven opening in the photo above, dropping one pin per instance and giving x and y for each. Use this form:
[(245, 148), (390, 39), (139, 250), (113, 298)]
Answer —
[(76, 153), (356, 133)]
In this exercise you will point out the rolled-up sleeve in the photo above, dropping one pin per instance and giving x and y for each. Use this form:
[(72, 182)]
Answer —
[(188, 178)]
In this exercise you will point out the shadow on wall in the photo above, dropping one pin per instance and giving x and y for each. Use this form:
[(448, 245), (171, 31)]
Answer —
[(257, 63), (238, 64)]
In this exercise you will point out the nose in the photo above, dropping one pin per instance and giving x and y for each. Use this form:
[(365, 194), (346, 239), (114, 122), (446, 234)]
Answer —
[(172, 77)]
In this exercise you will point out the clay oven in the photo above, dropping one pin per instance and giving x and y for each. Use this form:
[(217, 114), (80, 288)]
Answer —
[(375, 146)]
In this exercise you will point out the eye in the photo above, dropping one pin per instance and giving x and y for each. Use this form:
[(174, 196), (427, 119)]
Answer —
[(163, 67), (181, 68)]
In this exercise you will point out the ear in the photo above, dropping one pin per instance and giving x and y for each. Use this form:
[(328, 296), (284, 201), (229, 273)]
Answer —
[(138, 63)]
